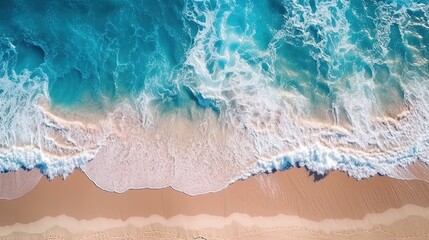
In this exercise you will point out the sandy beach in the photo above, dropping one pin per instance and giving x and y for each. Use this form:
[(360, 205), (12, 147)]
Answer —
[(270, 206), (214, 120)]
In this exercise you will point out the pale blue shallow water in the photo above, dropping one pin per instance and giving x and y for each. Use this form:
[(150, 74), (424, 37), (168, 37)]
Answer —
[(178, 54)]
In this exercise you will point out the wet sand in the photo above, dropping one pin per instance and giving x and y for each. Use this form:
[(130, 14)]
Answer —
[(16, 184), (292, 197)]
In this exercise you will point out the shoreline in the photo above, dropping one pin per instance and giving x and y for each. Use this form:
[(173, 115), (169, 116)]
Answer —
[(14, 185), (124, 134), (291, 192)]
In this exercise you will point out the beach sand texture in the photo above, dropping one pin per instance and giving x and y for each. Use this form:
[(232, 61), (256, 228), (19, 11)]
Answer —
[(284, 205)]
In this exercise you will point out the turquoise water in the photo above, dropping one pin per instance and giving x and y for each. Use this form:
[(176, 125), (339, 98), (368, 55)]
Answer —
[(99, 52), (102, 50), (263, 67)]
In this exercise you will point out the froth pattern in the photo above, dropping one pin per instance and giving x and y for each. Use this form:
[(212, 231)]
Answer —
[(220, 91)]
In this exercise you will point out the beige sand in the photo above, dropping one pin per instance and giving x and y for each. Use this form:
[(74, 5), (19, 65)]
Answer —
[(291, 192), (289, 202), (409, 222)]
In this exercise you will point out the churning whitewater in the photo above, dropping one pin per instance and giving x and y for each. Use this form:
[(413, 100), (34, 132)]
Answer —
[(198, 94)]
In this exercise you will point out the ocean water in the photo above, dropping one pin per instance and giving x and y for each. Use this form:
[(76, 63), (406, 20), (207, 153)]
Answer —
[(198, 94)]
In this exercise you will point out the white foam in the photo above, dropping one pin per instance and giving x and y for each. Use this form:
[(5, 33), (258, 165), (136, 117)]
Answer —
[(176, 152), (32, 137)]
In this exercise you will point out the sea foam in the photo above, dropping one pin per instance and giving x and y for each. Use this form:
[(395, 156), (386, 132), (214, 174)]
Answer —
[(318, 88)]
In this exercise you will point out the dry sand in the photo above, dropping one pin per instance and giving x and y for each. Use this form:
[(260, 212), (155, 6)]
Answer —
[(289, 203), (291, 192)]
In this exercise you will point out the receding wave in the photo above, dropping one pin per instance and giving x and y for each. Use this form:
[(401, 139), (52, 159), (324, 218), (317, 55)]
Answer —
[(198, 94)]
